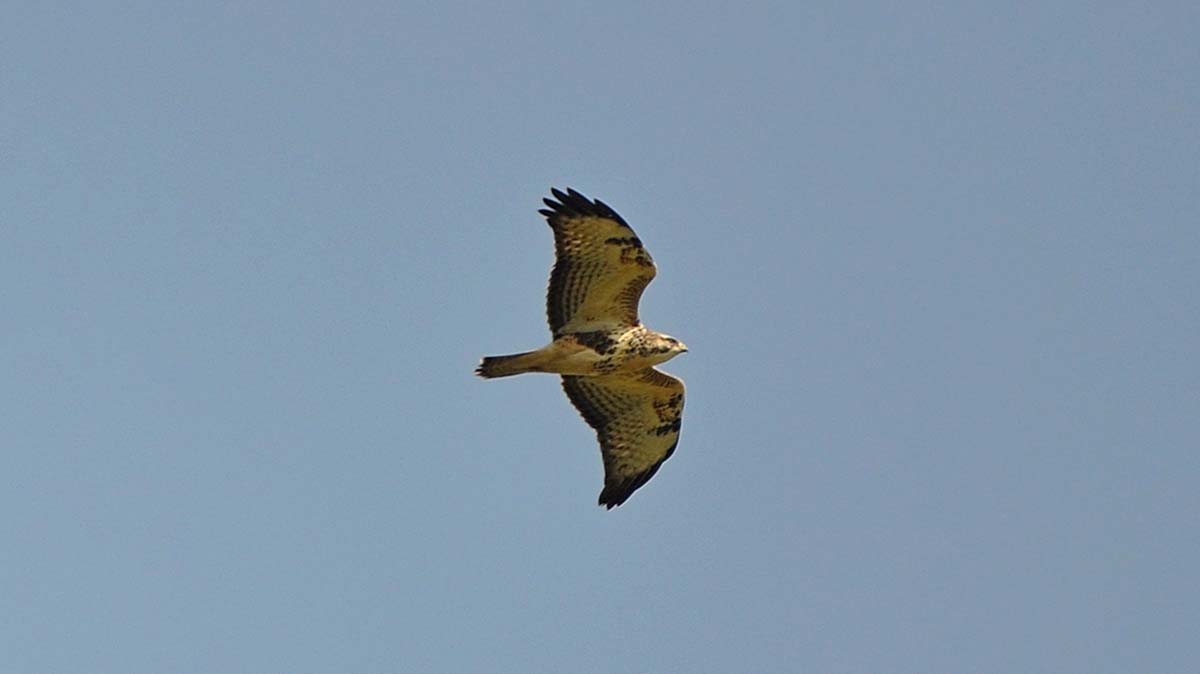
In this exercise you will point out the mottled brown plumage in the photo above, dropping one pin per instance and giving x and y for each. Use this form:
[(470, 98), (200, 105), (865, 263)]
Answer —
[(599, 345)]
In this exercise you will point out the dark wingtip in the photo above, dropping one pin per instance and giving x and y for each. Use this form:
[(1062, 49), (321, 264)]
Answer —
[(575, 203), (609, 500), (617, 493)]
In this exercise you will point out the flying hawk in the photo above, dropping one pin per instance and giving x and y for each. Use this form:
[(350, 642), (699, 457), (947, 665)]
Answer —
[(605, 356)]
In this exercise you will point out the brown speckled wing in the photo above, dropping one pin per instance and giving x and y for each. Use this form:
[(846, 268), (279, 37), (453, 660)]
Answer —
[(637, 417), (600, 266)]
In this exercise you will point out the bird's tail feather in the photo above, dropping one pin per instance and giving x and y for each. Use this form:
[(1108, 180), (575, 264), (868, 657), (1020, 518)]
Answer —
[(506, 366)]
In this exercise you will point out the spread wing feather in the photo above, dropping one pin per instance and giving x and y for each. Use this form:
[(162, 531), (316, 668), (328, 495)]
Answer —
[(600, 266), (637, 417)]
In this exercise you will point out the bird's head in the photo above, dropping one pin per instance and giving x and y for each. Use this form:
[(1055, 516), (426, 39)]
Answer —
[(673, 346)]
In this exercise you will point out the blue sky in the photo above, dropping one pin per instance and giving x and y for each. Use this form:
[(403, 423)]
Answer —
[(937, 265)]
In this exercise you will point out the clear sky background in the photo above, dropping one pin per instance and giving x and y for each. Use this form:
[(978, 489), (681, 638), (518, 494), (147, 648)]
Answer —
[(937, 264)]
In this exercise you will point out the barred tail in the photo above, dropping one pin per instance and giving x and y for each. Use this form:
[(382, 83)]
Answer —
[(506, 366)]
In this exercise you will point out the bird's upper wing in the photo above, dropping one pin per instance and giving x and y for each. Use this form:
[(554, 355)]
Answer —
[(637, 416), (600, 266)]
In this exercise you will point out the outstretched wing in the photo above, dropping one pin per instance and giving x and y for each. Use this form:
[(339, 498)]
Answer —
[(600, 266), (637, 416)]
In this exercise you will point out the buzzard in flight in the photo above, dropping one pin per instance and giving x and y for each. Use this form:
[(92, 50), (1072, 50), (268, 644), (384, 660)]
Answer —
[(605, 356)]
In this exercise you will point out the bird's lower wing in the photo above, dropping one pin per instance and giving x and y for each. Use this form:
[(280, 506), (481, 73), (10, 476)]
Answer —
[(637, 417)]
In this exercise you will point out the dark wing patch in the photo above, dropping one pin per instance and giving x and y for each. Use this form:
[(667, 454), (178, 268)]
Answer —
[(600, 266), (637, 417), (599, 341)]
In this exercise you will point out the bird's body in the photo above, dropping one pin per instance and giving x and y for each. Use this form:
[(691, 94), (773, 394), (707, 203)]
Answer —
[(600, 347), (598, 352)]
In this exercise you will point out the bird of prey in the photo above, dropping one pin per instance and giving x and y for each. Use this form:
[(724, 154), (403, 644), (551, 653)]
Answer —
[(604, 354)]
